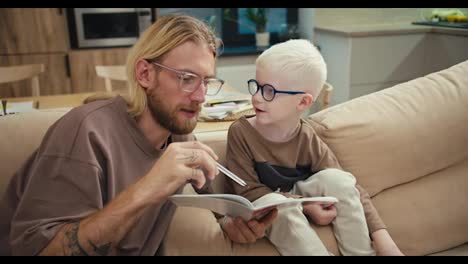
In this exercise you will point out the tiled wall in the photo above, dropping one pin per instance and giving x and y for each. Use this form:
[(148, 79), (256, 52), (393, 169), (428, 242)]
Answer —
[(356, 16)]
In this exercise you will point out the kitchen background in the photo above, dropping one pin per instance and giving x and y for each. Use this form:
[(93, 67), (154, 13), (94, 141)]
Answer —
[(366, 49)]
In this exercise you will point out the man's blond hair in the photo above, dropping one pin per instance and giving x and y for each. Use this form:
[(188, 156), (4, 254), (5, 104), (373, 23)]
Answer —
[(164, 35)]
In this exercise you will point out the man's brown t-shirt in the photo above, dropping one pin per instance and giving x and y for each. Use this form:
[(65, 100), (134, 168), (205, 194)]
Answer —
[(86, 159)]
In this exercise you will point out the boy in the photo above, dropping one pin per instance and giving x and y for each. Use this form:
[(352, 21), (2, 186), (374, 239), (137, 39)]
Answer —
[(279, 156)]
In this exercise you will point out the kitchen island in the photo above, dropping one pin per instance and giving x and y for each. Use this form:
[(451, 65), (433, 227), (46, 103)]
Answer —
[(365, 58)]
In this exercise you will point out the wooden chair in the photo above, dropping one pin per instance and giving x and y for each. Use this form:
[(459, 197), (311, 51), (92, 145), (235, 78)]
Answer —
[(322, 101), (23, 72), (324, 97), (111, 73)]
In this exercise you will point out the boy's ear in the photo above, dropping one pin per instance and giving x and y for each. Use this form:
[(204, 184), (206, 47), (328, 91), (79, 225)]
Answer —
[(306, 102), (142, 73)]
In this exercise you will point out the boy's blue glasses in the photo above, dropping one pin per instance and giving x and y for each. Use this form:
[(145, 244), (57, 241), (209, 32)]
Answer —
[(268, 91)]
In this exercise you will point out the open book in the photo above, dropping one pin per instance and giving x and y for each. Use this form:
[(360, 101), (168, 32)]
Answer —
[(226, 106), (227, 97), (236, 205)]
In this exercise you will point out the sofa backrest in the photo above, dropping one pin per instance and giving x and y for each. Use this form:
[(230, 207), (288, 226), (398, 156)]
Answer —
[(217, 141), (401, 134), (408, 147), (21, 134)]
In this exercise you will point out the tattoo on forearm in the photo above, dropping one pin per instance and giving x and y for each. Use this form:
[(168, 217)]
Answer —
[(75, 248), (101, 250), (192, 157), (72, 241)]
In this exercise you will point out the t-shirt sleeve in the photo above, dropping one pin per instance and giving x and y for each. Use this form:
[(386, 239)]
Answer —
[(59, 191), (241, 163), (373, 219), (322, 156)]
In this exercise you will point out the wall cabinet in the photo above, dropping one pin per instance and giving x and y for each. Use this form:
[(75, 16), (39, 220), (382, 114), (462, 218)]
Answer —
[(35, 35), (33, 30), (55, 79), (83, 72), (40, 35)]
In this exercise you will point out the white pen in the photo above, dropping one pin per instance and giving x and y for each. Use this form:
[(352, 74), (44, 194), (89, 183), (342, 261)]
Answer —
[(231, 175)]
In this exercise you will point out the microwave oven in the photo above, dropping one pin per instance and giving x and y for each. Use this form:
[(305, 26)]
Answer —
[(107, 27)]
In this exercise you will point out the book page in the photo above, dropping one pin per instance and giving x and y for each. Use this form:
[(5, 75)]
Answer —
[(295, 202), (236, 205), (221, 204)]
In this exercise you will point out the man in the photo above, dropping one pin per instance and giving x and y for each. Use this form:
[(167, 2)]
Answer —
[(99, 182)]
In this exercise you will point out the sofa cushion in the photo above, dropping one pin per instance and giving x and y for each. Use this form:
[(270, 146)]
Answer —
[(408, 147), (21, 135), (403, 133), (216, 141), (429, 214), (456, 251)]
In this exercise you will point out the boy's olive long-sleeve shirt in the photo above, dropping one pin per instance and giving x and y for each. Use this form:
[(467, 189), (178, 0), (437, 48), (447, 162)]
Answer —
[(269, 166)]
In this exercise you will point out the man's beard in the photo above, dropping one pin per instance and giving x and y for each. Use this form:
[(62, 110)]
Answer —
[(168, 119)]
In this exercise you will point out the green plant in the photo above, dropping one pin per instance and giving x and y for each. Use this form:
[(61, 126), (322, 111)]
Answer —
[(258, 16), (211, 22)]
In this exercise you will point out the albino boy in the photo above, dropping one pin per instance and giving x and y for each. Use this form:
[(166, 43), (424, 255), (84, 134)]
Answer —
[(279, 155)]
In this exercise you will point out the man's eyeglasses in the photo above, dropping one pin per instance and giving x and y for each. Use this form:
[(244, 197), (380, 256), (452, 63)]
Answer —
[(190, 82), (268, 91)]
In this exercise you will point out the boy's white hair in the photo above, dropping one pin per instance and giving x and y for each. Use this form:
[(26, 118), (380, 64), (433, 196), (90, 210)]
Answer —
[(300, 60)]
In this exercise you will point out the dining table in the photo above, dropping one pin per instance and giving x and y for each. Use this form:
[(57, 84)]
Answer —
[(61, 101)]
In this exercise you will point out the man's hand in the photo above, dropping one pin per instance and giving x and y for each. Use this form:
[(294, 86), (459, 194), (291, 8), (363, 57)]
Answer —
[(240, 231), (321, 213), (182, 162)]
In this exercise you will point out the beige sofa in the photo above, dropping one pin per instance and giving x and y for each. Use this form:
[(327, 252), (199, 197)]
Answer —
[(407, 145)]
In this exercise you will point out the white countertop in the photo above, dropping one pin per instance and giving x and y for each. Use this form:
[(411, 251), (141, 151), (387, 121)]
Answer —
[(367, 30)]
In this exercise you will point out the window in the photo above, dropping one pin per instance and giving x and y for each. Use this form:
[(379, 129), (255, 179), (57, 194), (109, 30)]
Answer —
[(236, 34), (211, 16)]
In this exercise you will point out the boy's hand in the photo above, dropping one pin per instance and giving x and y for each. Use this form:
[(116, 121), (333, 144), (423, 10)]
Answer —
[(320, 213)]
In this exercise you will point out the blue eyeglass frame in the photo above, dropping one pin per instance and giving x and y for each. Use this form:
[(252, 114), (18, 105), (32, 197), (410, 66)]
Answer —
[(275, 91)]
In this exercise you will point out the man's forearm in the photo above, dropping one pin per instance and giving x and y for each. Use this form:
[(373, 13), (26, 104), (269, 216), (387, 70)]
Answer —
[(99, 233)]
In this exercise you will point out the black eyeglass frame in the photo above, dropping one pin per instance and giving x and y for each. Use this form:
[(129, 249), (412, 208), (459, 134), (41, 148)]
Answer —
[(275, 91)]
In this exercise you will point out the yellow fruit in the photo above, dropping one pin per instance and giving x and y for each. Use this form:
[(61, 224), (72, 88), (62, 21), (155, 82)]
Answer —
[(457, 18)]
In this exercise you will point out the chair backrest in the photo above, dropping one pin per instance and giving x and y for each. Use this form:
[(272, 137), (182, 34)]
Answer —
[(23, 72), (324, 97), (111, 73), (322, 101)]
